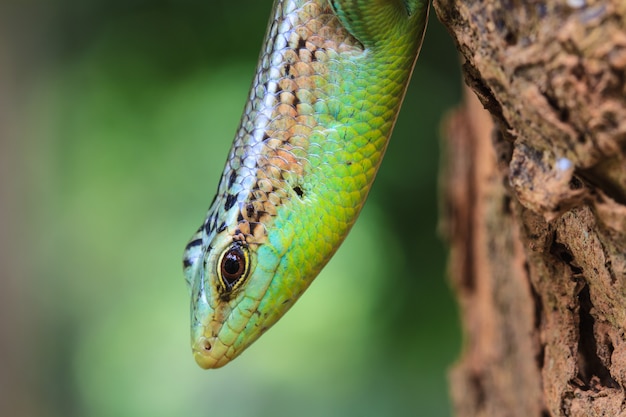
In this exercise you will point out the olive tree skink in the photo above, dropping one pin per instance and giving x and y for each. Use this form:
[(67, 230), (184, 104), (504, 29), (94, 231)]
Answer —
[(331, 77)]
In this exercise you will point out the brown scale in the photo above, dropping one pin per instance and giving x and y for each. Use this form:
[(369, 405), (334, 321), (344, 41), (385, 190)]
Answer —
[(310, 44)]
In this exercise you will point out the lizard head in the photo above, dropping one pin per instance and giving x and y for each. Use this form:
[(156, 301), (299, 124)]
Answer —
[(242, 281)]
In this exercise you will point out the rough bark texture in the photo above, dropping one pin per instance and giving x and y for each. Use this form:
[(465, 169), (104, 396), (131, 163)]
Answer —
[(536, 199)]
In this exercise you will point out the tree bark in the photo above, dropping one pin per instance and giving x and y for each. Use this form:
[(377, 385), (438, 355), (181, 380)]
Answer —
[(535, 198)]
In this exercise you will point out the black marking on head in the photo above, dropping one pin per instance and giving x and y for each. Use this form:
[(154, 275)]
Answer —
[(250, 210), (301, 44), (186, 263), (230, 201), (298, 190), (207, 227), (232, 178), (195, 242), (239, 217), (221, 228), (214, 221), (287, 69)]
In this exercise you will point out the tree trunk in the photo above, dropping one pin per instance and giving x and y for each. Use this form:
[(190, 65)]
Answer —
[(535, 192)]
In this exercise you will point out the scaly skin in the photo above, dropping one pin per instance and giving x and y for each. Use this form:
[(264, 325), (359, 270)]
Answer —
[(331, 79)]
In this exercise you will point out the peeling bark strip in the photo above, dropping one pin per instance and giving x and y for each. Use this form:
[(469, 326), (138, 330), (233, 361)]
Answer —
[(536, 207)]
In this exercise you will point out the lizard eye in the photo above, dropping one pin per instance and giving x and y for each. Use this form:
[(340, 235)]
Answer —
[(233, 267)]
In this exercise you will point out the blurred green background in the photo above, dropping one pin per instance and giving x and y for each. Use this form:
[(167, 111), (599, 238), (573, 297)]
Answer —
[(116, 117)]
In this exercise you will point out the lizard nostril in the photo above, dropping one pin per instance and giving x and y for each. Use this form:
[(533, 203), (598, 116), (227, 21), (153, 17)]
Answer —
[(203, 346), (205, 351), (206, 345)]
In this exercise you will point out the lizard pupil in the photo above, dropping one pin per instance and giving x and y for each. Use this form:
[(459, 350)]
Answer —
[(233, 266)]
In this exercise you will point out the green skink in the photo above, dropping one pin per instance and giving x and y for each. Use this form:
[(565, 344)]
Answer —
[(330, 81)]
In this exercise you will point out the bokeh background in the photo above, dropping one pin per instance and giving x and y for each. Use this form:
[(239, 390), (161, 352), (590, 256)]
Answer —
[(115, 120)]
